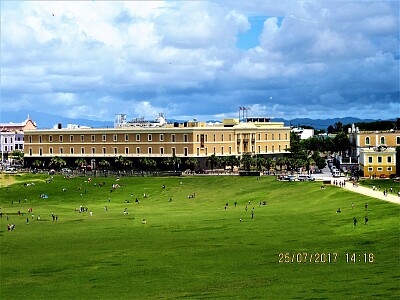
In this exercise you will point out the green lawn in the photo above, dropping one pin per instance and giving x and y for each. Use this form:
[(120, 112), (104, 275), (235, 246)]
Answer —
[(195, 248)]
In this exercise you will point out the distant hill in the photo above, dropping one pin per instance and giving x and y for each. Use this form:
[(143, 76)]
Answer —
[(45, 120), (322, 123)]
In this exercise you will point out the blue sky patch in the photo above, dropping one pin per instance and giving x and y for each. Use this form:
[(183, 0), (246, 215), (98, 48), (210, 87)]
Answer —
[(250, 38)]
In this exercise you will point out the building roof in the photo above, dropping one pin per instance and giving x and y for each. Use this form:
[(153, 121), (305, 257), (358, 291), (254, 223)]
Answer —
[(25, 125)]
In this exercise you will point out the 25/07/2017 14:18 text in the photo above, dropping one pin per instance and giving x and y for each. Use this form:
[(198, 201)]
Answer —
[(329, 257)]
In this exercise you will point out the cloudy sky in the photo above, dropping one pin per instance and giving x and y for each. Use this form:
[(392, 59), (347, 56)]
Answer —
[(204, 59)]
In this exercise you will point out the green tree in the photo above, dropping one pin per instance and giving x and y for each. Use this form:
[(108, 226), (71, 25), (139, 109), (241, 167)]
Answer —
[(319, 161), (104, 164), (341, 142), (122, 163), (192, 163), (213, 160), (338, 127), (147, 164), (224, 162), (233, 161), (247, 162), (57, 162), (17, 156), (37, 163), (172, 162), (80, 162), (260, 162), (309, 162), (298, 163), (269, 163)]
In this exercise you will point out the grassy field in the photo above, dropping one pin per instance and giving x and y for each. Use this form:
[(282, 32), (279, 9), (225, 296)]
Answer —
[(194, 248)]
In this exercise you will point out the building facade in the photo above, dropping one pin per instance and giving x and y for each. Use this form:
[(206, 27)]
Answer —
[(12, 136), (376, 162), (375, 151), (186, 140)]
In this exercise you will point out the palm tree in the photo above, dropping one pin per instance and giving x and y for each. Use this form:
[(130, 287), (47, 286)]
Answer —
[(147, 164), (269, 163), (37, 163), (80, 162), (192, 163), (233, 161), (213, 160), (247, 161), (281, 161), (151, 164), (298, 163), (309, 162), (260, 162), (57, 162), (224, 161), (172, 162), (104, 164), (123, 162)]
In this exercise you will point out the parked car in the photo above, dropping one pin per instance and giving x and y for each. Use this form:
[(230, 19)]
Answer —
[(306, 178), (382, 176), (11, 170)]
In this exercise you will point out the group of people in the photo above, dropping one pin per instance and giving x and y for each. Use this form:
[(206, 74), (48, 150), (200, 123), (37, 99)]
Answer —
[(340, 183), (246, 207), (355, 221)]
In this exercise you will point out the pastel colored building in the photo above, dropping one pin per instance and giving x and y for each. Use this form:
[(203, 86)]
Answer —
[(12, 136), (184, 140), (375, 150)]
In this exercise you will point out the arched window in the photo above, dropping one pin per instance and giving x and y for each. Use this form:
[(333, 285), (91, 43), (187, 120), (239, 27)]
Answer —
[(382, 140), (367, 140)]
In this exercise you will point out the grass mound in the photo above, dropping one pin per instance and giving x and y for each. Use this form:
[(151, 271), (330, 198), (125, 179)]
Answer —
[(205, 246)]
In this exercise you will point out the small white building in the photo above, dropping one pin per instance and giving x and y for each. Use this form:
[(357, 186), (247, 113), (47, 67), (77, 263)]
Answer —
[(302, 133)]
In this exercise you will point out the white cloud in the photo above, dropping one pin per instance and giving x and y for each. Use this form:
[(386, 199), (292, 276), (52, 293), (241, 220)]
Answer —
[(181, 57)]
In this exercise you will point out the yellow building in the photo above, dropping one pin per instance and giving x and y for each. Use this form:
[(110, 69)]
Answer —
[(378, 161), (375, 150), (186, 140)]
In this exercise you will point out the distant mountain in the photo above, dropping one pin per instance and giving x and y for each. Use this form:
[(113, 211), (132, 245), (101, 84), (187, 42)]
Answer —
[(45, 120), (321, 123)]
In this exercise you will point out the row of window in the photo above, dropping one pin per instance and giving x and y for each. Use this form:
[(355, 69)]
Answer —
[(379, 169), (150, 150), (17, 139), (11, 147), (104, 151), (382, 140), (200, 137), (115, 138), (380, 159)]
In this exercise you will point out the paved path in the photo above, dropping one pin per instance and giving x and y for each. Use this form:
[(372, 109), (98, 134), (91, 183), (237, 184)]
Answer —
[(369, 192)]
